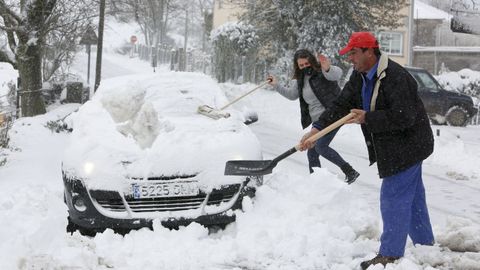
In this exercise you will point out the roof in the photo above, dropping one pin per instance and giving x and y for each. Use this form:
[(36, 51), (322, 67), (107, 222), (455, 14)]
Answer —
[(425, 11)]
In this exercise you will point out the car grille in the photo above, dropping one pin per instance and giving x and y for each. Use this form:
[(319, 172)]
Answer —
[(112, 201)]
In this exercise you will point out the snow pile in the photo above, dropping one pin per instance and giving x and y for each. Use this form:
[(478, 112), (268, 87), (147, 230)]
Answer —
[(135, 116), (461, 235), (458, 158)]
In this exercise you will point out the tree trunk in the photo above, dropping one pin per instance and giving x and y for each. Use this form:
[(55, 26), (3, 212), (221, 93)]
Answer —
[(30, 71)]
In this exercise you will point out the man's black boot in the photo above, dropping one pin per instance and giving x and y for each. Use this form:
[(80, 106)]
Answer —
[(350, 174), (379, 259)]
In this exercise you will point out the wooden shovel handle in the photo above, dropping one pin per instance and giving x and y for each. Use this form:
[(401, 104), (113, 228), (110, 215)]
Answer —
[(328, 129), (235, 100)]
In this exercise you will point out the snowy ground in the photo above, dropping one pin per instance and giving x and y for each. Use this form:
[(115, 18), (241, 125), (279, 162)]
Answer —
[(296, 221)]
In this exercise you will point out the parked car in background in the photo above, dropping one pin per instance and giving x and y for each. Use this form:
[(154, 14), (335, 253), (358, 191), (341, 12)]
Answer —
[(141, 153), (442, 106)]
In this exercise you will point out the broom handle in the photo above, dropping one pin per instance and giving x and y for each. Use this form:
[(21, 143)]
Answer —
[(328, 129), (235, 100)]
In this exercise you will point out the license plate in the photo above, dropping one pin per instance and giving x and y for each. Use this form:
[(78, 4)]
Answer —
[(164, 190)]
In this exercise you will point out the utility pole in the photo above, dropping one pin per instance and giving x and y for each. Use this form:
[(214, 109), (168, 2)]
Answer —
[(410, 33), (98, 68)]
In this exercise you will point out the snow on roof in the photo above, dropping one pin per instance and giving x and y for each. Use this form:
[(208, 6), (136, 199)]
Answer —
[(425, 11)]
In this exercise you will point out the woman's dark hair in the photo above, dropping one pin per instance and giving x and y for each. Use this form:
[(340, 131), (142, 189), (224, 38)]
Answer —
[(304, 54)]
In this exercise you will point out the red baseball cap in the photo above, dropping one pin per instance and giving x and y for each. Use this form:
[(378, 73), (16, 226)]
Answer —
[(360, 40)]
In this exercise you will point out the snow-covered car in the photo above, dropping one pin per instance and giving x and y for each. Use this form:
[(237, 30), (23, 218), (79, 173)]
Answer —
[(140, 152), (442, 106)]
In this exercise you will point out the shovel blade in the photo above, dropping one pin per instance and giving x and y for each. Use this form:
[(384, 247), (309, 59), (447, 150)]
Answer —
[(249, 167)]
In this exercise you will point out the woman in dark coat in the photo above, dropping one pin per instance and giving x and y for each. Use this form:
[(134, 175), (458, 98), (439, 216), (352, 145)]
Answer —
[(316, 87)]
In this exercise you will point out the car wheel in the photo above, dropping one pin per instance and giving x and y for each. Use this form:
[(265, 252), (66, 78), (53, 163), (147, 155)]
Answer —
[(456, 116)]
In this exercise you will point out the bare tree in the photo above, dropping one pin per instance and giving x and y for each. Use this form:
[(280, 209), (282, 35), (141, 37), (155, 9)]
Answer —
[(27, 25), (206, 13)]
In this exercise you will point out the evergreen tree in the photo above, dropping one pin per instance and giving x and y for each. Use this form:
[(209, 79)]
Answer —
[(320, 25), (234, 43)]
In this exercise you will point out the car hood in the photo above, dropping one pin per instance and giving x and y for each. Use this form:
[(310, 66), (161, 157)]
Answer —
[(148, 126), (457, 95)]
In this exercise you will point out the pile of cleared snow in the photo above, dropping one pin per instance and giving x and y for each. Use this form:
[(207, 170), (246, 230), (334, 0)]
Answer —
[(460, 235), (452, 153)]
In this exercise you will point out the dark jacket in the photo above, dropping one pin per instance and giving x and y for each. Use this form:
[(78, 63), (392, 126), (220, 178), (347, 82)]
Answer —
[(396, 130), (326, 91)]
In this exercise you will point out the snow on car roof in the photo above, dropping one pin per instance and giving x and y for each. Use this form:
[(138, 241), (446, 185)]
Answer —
[(147, 126)]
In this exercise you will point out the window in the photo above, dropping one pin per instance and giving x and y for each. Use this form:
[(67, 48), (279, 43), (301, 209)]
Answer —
[(425, 81), (391, 42)]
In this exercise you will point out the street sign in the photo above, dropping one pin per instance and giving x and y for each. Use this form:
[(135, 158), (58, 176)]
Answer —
[(89, 37), (133, 39)]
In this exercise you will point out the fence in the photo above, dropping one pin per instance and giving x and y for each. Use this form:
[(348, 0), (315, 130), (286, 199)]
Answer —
[(240, 69), (176, 58)]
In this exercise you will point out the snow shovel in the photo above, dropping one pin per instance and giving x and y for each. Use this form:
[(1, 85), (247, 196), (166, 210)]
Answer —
[(263, 167), (217, 113)]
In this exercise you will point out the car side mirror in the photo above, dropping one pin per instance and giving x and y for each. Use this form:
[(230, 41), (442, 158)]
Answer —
[(250, 117)]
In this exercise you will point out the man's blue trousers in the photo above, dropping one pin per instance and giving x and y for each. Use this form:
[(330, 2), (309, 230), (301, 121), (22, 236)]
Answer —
[(404, 212)]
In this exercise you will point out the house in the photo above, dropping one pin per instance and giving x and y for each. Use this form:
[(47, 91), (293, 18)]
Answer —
[(437, 47), (225, 11), (396, 42)]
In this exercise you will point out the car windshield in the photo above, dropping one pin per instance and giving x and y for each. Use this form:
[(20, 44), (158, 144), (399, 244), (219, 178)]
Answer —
[(424, 80)]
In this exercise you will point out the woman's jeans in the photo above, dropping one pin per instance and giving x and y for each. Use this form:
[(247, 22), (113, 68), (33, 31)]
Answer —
[(323, 149)]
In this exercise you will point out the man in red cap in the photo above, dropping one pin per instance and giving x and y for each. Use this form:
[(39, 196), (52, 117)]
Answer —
[(383, 97)]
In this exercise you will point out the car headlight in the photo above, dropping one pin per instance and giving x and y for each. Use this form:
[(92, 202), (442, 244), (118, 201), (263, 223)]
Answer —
[(79, 203), (88, 167)]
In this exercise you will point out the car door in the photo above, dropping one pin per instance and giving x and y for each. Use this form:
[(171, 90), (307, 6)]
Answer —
[(429, 91)]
